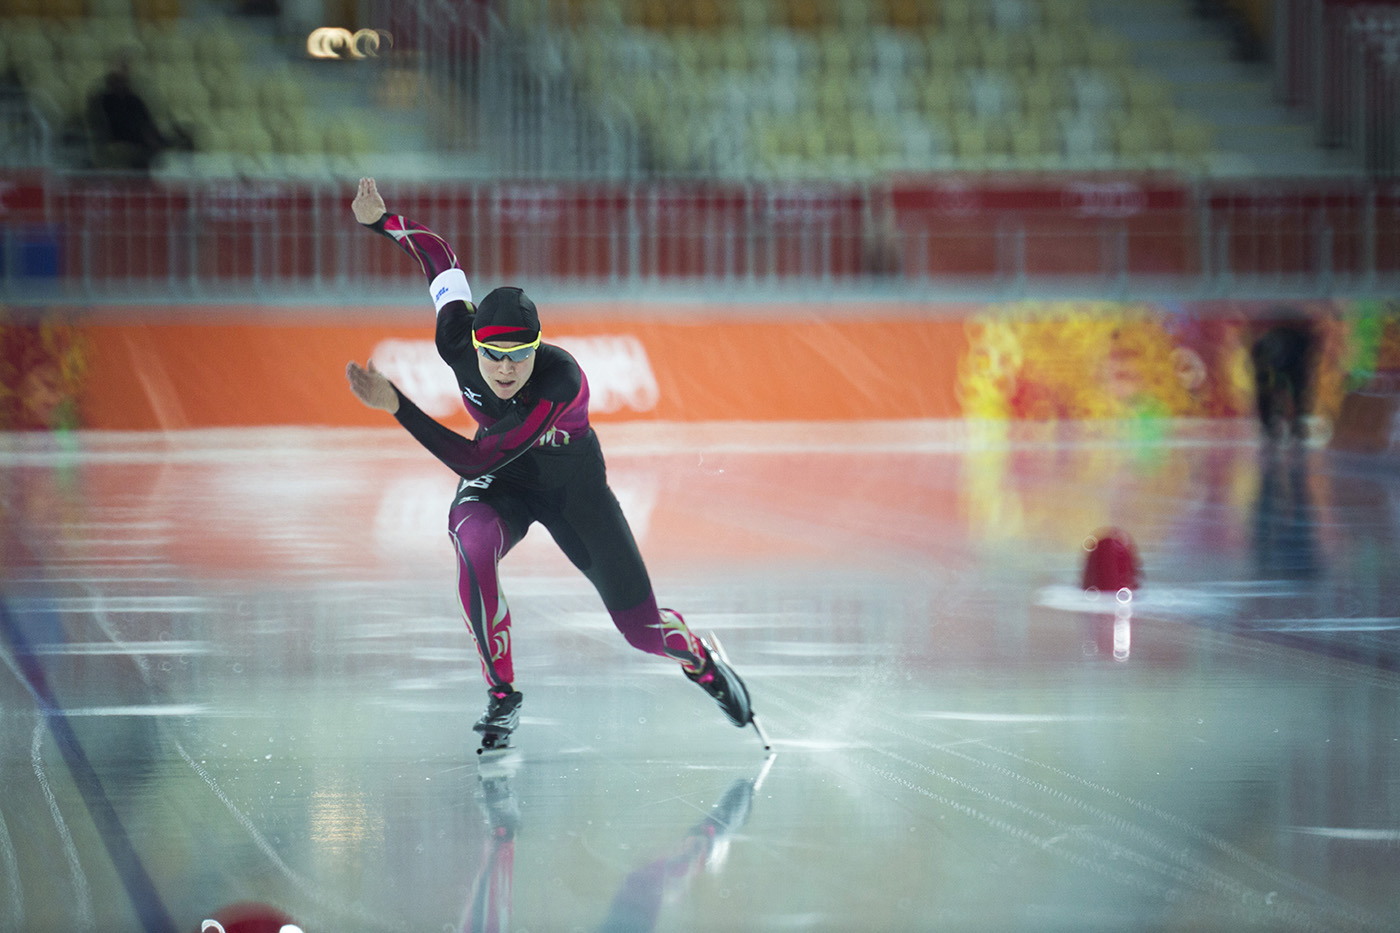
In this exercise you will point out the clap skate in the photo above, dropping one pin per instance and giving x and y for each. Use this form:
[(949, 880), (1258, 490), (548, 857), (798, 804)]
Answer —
[(718, 679), (501, 718)]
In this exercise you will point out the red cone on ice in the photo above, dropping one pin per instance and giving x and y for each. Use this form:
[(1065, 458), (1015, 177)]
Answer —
[(248, 917), (1111, 562)]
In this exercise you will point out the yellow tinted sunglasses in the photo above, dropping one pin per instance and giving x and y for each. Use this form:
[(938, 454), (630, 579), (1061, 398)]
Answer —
[(515, 354)]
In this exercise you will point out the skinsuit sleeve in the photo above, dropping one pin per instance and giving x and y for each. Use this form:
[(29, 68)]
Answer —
[(473, 458), (511, 436)]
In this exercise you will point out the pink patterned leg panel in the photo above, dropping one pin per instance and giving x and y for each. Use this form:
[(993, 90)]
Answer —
[(480, 539)]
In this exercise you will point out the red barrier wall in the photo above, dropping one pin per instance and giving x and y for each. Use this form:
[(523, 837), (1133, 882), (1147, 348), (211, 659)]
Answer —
[(692, 366), (229, 366)]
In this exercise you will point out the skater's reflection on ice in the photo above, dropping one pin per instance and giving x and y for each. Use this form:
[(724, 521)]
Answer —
[(489, 908), (637, 904)]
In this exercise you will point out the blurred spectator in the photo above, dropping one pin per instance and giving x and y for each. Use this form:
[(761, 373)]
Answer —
[(124, 134), (1283, 357), (881, 252), (1243, 34)]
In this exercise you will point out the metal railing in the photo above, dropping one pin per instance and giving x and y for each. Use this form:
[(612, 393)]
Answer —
[(1339, 60), (105, 240), (25, 137)]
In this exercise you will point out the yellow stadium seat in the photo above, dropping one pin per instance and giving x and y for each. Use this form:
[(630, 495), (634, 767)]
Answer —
[(295, 138), (835, 53), (938, 98), (29, 45), (1084, 140), (1066, 14), (993, 93), (1191, 138), (156, 10), (1030, 143), (1047, 51), (970, 146), (113, 9), (948, 52), (231, 94), (738, 52), (168, 45), (1145, 94), (960, 16), (709, 16), (1105, 49), (1046, 92), (346, 140), (1014, 15), (853, 16), (1140, 141)]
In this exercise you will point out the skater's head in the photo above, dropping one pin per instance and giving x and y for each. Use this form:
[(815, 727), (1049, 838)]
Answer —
[(506, 334)]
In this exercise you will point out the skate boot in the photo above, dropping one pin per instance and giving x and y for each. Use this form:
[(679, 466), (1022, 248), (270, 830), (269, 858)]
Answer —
[(718, 679), (500, 719)]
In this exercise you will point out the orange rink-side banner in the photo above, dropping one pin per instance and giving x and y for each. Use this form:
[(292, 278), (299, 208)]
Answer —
[(233, 367)]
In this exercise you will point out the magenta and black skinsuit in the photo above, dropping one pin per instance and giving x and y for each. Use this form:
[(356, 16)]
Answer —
[(534, 458)]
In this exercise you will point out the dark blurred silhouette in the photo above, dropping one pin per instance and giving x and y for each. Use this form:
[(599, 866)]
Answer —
[(125, 135), (1284, 357)]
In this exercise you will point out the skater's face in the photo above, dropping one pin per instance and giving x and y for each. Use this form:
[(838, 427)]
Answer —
[(505, 376)]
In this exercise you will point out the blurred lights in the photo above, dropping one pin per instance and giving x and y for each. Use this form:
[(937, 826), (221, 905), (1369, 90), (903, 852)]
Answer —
[(336, 42)]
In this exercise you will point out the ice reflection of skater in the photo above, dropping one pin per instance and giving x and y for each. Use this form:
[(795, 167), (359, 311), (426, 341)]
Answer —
[(489, 910), (535, 458), (637, 904), (1285, 545)]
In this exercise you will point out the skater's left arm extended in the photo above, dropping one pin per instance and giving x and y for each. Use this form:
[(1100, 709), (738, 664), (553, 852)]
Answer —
[(467, 458)]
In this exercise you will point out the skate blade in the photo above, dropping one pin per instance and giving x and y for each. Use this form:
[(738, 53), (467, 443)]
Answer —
[(762, 736), (718, 648), (496, 743)]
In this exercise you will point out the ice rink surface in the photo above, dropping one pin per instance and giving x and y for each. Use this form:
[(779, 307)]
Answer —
[(235, 672)]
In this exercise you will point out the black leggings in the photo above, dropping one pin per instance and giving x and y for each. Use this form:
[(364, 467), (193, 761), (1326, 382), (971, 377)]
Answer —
[(490, 515)]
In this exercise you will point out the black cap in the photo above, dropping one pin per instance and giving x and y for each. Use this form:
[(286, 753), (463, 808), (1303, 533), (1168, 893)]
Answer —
[(506, 314)]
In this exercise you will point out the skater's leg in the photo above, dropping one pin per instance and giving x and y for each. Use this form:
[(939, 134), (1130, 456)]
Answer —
[(593, 533), (660, 631), (1300, 383), (591, 530), (1266, 392), (604, 549), (481, 537)]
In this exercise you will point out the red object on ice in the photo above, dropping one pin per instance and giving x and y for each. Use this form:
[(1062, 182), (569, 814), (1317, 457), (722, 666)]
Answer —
[(248, 918), (1112, 562)]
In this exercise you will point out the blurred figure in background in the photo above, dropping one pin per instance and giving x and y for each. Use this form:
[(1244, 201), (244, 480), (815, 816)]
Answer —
[(1284, 356), (125, 135)]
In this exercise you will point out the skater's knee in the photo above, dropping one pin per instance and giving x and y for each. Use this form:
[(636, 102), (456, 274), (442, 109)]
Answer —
[(477, 550)]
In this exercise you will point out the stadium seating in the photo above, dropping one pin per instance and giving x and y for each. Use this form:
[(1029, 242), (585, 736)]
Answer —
[(746, 88), (968, 84), (195, 76)]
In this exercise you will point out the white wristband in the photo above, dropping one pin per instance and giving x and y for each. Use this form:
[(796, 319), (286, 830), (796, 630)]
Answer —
[(450, 286)]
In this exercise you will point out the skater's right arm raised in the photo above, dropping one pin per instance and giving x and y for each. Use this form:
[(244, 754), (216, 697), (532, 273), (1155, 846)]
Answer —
[(447, 283)]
